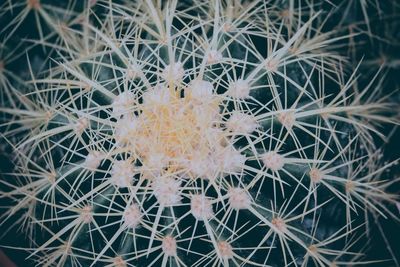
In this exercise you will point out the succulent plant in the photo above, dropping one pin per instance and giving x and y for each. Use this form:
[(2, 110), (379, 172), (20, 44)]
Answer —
[(193, 133)]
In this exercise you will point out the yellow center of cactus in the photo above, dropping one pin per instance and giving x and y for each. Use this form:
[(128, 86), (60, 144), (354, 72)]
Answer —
[(177, 128), (178, 133)]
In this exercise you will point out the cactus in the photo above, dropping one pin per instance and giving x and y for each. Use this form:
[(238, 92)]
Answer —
[(194, 133)]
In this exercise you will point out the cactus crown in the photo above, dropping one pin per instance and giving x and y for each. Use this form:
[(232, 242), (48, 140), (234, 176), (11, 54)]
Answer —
[(219, 133)]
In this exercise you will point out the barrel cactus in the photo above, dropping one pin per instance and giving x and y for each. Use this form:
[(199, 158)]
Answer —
[(193, 133)]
